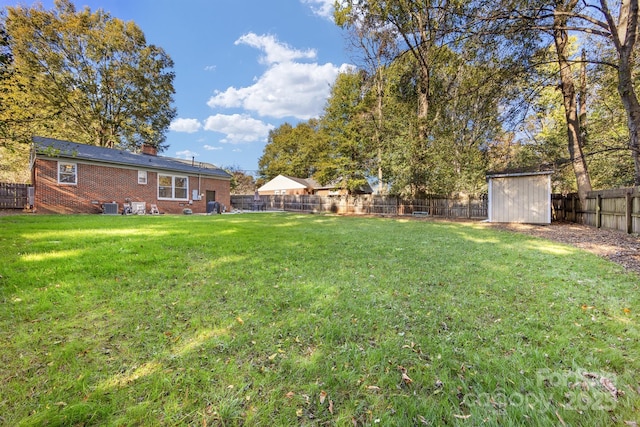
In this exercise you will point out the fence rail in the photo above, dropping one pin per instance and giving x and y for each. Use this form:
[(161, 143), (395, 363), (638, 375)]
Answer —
[(464, 207), (617, 209), (14, 196)]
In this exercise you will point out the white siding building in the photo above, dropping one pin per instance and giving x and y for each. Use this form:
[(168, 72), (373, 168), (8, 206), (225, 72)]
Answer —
[(520, 197)]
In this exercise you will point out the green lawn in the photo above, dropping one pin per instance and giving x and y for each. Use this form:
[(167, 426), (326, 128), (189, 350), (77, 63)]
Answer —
[(280, 319)]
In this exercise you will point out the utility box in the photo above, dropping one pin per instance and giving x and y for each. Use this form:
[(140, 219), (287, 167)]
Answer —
[(523, 197), (110, 208)]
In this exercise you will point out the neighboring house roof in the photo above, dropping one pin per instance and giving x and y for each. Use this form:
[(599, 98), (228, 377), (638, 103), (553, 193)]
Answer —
[(283, 182), (54, 148)]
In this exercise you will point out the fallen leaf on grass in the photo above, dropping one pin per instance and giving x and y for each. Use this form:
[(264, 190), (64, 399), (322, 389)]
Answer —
[(289, 395), (606, 383), (239, 320), (631, 423), (299, 413), (462, 417), (331, 406), (405, 377), (323, 396), (373, 388), (626, 310)]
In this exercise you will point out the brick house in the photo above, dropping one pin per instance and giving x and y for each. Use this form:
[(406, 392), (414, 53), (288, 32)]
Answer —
[(77, 178)]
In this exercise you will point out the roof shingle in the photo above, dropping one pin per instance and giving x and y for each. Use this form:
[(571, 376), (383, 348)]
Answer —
[(50, 147)]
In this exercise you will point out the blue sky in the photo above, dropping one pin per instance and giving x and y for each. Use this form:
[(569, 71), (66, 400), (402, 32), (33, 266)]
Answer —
[(243, 67)]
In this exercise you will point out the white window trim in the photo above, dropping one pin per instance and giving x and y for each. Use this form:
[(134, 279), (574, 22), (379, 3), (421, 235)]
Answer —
[(144, 176), (75, 170), (173, 187)]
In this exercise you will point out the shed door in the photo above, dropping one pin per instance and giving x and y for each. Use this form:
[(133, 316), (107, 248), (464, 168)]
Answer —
[(521, 199), (211, 196)]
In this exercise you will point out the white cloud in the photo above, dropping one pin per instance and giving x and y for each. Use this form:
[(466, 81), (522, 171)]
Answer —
[(323, 8), (210, 68), (238, 128), (288, 88), (186, 154), (185, 125), (275, 51), (211, 148)]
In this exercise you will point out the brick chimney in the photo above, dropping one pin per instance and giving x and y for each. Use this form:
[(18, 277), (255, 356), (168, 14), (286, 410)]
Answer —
[(149, 149)]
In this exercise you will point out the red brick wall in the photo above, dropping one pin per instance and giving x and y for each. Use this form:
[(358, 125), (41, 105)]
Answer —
[(100, 184)]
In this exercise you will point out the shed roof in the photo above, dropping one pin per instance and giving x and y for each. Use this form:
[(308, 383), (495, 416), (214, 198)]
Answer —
[(517, 173), (55, 148)]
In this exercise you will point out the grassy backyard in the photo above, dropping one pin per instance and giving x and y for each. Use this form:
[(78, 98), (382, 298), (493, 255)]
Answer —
[(280, 319)]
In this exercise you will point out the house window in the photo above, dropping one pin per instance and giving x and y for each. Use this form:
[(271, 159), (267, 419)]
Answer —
[(67, 173), (142, 177), (173, 187)]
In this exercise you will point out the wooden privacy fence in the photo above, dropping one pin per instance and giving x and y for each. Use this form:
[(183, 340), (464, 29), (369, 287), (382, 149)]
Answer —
[(463, 207), (14, 196), (617, 209)]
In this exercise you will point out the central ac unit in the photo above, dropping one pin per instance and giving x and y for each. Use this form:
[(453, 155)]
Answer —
[(110, 208)]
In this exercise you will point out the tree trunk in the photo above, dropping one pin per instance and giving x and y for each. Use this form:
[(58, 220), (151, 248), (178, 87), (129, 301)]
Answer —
[(567, 86), (379, 124), (624, 35), (632, 107)]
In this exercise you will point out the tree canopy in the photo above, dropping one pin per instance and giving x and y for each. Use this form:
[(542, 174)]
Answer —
[(84, 76), (447, 91)]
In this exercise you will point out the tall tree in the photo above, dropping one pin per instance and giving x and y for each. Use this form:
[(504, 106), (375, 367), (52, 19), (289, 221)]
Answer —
[(241, 182), (345, 124), (423, 27), (293, 151), (620, 31), (5, 63), (376, 47), (89, 77), (569, 96), (624, 33)]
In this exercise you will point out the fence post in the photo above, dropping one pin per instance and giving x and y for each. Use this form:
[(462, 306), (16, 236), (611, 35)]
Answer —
[(629, 212), (598, 211)]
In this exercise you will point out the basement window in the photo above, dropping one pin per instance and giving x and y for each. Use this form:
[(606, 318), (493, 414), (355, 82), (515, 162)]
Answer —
[(142, 177), (67, 173), (173, 187)]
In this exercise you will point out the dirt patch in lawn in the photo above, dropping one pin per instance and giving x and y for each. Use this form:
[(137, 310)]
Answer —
[(613, 245)]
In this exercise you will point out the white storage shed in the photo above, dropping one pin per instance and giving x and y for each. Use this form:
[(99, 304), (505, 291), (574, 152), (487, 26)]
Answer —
[(520, 197)]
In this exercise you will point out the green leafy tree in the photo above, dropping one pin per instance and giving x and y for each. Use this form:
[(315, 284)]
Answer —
[(88, 77), (569, 97), (345, 122), (376, 47), (5, 72), (453, 157), (241, 183), (14, 158), (293, 151)]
